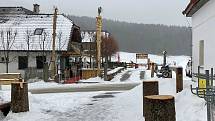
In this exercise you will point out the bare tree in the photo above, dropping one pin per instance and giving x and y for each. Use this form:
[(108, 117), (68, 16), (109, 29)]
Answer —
[(7, 44), (27, 39), (109, 46)]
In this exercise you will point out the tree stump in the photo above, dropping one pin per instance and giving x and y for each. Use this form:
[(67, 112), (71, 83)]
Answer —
[(159, 108), (19, 97), (179, 79), (149, 88)]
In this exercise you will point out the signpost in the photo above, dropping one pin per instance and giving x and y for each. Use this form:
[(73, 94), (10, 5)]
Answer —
[(141, 56)]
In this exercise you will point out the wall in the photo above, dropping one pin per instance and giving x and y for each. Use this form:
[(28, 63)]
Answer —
[(13, 66), (203, 23)]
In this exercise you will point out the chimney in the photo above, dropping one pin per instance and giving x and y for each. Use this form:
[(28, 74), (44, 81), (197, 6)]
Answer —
[(36, 8)]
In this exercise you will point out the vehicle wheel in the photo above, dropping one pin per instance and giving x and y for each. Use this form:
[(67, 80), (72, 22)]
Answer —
[(165, 74)]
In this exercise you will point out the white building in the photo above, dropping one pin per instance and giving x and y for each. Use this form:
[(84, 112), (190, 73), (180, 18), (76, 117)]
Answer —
[(27, 36), (203, 33)]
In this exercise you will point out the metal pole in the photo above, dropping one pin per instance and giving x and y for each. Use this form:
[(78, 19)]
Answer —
[(212, 74), (164, 58), (207, 95), (198, 74)]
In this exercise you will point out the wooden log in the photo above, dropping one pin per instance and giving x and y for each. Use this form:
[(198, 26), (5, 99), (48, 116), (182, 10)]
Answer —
[(160, 108), (19, 97), (179, 79), (149, 88)]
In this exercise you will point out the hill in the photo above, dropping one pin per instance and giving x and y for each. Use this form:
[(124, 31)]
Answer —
[(150, 38)]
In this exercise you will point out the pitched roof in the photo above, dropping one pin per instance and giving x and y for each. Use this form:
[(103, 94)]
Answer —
[(193, 7), (25, 25), (15, 10)]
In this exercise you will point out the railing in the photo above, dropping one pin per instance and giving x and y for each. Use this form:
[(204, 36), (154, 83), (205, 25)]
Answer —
[(206, 90)]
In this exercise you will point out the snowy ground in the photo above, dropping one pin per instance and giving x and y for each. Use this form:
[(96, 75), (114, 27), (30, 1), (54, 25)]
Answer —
[(109, 105)]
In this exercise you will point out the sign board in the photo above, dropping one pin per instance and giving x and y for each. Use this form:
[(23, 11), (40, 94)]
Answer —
[(141, 56), (202, 84)]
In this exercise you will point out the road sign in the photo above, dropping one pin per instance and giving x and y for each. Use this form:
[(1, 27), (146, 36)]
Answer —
[(141, 56)]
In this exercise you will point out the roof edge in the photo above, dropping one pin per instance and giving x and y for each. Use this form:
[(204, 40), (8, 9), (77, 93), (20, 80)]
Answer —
[(193, 7)]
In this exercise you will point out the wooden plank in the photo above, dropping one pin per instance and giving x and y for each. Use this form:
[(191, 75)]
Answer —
[(9, 75), (8, 78)]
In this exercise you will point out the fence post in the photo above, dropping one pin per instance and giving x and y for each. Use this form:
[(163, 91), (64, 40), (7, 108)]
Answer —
[(179, 79), (148, 63), (160, 108), (152, 69), (149, 88), (19, 97)]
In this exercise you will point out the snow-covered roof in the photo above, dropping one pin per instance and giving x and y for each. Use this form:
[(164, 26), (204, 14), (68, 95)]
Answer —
[(90, 35), (25, 25), (15, 10)]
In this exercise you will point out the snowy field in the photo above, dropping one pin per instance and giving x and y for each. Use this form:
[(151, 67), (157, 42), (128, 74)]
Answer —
[(109, 105)]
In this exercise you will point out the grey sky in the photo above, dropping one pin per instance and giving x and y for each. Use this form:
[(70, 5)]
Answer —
[(141, 11)]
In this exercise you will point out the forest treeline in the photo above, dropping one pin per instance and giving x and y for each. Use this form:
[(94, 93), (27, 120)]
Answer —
[(149, 38)]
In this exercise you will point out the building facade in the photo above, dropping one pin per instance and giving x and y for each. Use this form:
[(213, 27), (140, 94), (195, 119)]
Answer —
[(203, 33), (26, 40)]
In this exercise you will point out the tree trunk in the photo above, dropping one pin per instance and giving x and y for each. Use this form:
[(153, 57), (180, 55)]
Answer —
[(19, 97), (159, 108), (149, 88)]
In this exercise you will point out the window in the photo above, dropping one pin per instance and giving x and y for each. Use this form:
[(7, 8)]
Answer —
[(38, 31), (201, 53), (40, 61), (23, 62)]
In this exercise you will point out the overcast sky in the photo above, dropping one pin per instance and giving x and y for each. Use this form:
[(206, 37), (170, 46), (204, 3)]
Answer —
[(140, 11)]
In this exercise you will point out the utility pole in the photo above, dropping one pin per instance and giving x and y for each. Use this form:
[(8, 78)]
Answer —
[(53, 56), (98, 39)]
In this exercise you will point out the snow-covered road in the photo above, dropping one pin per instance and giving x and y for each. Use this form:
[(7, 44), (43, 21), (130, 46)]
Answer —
[(85, 88), (109, 105)]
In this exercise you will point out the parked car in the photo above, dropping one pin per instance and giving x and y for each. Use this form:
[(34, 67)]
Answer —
[(189, 69)]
